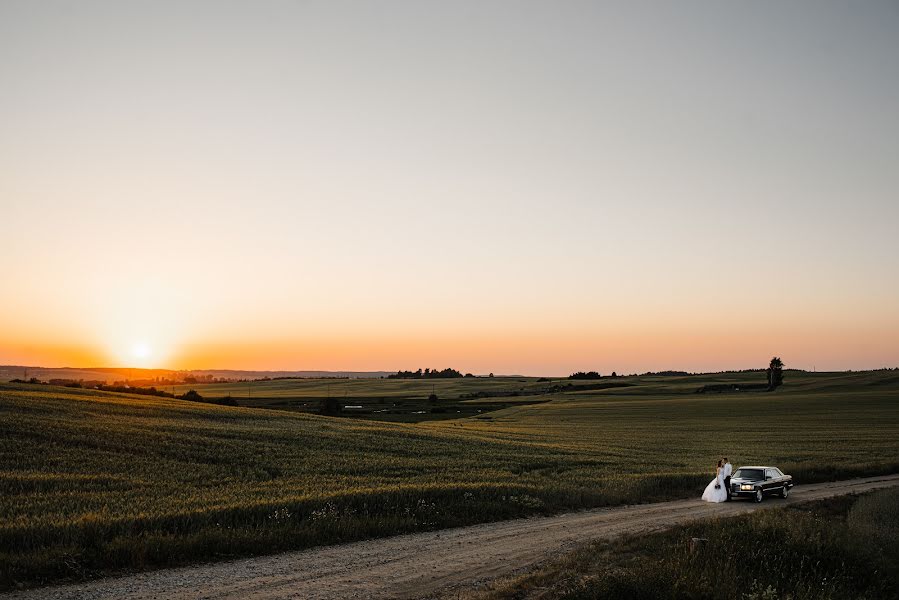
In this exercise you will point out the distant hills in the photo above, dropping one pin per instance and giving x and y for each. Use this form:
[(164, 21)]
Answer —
[(8, 372)]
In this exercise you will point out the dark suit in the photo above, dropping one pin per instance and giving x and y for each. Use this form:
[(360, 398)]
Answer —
[(727, 484)]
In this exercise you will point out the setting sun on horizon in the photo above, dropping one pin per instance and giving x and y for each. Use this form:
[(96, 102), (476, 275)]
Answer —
[(289, 187), (427, 299)]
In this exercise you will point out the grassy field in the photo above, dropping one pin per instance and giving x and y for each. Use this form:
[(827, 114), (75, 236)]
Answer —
[(93, 481), (839, 549), (398, 400), (365, 388), (661, 428)]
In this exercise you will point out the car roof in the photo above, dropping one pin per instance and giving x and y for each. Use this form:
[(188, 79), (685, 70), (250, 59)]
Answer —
[(756, 467)]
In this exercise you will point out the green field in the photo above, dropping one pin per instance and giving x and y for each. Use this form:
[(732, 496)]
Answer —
[(93, 481), (364, 388), (399, 400)]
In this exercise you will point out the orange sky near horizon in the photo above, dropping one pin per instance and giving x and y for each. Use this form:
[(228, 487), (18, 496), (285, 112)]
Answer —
[(506, 187), (536, 353)]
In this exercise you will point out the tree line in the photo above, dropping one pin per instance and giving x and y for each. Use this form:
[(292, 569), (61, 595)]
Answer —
[(429, 374)]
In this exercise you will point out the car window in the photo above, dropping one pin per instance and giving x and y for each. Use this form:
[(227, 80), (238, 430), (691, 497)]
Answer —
[(754, 474), (778, 472), (769, 473)]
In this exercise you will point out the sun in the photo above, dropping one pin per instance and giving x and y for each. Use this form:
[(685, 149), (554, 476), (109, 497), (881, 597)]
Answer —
[(141, 352)]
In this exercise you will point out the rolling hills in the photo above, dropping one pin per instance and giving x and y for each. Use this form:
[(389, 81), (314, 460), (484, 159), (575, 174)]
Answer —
[(95, 481)]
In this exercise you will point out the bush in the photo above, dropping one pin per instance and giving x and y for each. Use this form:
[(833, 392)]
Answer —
[(192, 396)]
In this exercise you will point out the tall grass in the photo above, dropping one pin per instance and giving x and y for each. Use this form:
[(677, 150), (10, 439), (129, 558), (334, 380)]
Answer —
[(836, 549), (92, 482)]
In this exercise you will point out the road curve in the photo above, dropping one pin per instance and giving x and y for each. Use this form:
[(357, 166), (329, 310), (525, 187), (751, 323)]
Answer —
[(416, 565)]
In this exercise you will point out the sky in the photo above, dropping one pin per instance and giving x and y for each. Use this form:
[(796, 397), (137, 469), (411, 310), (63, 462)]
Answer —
[(509, 187)]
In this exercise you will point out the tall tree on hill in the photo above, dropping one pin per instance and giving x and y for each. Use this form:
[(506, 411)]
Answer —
[(775, 373)]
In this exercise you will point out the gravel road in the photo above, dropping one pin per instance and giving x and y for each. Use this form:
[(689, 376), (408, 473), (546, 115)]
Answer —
[(418, 565)]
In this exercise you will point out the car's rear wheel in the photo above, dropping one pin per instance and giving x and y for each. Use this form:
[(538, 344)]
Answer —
[(759, 496), (785, 492)]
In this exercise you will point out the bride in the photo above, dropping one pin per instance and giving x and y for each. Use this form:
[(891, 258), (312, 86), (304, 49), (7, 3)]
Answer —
[(714, 491)]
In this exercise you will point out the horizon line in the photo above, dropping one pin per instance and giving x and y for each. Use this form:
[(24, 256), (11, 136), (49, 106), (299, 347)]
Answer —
[(389, 371)]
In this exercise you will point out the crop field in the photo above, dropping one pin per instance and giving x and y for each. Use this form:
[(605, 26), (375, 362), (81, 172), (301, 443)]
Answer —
[(402, 400), (816, 423), (364, 388), (94, 482)]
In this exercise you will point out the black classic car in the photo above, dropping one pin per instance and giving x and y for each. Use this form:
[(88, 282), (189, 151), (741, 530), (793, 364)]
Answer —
[(758, 482)]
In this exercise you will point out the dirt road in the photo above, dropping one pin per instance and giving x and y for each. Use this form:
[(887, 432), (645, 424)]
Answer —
[(412, 566)]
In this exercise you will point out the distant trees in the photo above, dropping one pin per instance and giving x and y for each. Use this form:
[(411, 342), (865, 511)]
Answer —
[(208, 378), (124, 389), (194, 396), (426, 374), (775, 373), (665, 374), (191, 395), (583, 375), (330, 406)]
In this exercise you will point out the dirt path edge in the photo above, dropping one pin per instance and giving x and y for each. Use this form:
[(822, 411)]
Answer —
[(421, 564)]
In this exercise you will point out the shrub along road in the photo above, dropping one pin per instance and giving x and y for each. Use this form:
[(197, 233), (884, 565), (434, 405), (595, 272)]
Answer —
[(411, 566)]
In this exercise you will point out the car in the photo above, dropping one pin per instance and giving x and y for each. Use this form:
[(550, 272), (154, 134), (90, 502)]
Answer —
[(758, 482)]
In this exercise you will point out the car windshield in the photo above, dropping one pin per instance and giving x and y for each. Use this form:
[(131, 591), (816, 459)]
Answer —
[(749, 474)]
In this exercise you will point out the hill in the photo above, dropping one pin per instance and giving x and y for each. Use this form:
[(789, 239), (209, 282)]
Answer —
[(9, 372), (96, 481)]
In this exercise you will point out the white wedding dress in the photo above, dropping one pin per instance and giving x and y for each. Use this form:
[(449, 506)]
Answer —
[(715, 495)]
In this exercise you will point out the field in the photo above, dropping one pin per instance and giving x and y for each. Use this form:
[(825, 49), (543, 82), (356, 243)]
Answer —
[(95, 481), (401, 400), (841, 548)]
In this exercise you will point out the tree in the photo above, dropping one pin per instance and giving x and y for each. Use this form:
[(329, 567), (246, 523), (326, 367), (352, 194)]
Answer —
[(330, 406), (775, 373), (192, 395), (426, 374), (587, 375)]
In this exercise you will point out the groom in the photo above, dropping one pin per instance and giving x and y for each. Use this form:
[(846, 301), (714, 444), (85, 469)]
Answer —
[(726, 470)]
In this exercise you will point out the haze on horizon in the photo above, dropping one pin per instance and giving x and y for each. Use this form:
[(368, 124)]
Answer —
[(516, 187)]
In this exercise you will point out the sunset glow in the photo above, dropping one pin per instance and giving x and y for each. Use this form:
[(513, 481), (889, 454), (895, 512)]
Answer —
[(292, 188)]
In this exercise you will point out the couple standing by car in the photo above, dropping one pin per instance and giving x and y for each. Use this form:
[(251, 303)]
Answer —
[(718, 490)]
